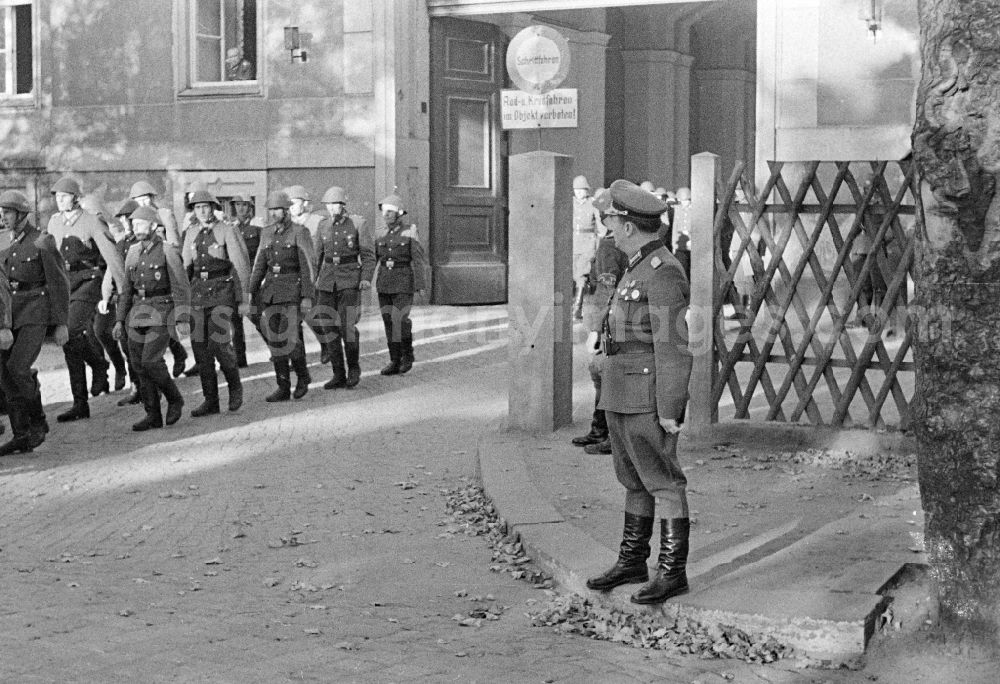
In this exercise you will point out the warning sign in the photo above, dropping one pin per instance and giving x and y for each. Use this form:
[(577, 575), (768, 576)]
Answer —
[(557, 108)]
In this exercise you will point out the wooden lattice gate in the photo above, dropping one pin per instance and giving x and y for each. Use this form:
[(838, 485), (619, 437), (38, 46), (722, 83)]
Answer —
[(812, 312)]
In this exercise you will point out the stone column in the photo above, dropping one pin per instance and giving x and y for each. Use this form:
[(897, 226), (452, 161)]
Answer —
[(540, 295), (704, 285)]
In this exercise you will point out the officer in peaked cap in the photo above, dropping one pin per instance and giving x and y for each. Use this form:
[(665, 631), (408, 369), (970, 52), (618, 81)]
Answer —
[(585, 224), (281, 286), (345, 255), (249, 227), (643, 394), (38, 300), (401, 259)]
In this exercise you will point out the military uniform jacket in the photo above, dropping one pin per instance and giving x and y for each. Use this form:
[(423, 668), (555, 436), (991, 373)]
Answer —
[(311, 220), (283, 271), (6, 319), (646, 324), (39, 288), (401, 261), (250, 232), (605, 271), (345, 256), (87, 248), (217, 264), (155, 285)]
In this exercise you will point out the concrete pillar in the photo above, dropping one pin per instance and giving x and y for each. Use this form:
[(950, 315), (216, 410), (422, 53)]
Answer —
[(704, 286), (540, 294)]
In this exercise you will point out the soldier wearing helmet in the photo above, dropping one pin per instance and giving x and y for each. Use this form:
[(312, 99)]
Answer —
[(585, 223), (303, 215), (345, 255), (154, 299), (218, 269), (125, 238), (39, 301), (401, 261), (249, 228), (281, 285), (144, 195), (88, 251)]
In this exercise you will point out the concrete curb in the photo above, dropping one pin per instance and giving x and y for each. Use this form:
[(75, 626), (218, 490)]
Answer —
[(571, 555)]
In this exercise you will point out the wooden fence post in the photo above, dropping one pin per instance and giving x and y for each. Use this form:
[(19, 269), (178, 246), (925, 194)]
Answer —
[(704, 285)]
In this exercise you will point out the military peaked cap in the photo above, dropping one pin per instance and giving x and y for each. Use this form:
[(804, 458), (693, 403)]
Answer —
[(628, 199)]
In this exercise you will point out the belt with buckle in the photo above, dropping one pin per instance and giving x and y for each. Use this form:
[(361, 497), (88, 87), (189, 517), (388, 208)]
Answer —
[(278, 270), (335, 260), (23, 286), (149, 294), (629, 348)]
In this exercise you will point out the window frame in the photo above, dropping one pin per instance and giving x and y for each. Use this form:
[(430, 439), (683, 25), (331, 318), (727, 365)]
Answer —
[(9, 27), (191, 86)]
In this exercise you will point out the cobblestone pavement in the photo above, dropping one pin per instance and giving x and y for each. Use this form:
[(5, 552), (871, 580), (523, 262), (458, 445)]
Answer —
[(297, 542)]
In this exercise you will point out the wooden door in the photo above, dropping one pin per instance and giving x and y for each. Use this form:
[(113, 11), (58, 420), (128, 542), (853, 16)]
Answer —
[(468, 175)]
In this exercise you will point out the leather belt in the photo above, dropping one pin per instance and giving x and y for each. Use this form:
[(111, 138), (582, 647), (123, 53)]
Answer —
[(629, 348), (22, 286), (212, 274), (80, 266), (149, 294)]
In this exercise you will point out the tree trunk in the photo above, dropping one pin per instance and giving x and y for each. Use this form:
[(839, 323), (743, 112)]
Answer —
[(956, 415)]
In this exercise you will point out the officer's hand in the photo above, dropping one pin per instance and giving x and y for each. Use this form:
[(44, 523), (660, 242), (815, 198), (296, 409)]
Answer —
[(307, 303), (102, 307), (118, 332), (670, 425), (365, 285), (6, 338), (592, 342), (61, 335), (243, 309), (183, 329)]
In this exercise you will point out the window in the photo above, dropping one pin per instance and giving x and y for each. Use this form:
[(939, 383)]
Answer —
[(223, 41), (16, 64)]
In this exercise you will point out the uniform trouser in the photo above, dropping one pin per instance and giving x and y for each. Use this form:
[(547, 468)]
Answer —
[(645, 458), (211, 339), (599, 422), (395, 310), (103, 324), (82, 349), (18, 379), (239, 336), (177, 349), (281, 326), (335, 318), (146, 347)]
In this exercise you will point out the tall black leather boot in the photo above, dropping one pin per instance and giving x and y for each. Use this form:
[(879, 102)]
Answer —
[(393, 367), (632, 555), (284, 380), (151, 403), (335, 349), (209, 385), (22, 439), (235, 384), (352, 350), (671, 575), (406, 355), (77, 381), (301, 368)]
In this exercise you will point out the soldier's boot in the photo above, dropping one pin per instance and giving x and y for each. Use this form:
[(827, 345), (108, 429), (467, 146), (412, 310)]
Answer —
[(180, 355), (239, 342), (235, 385), (632, 554), (208, 407), (22, 438), (37, 412), (284, 380), (302, 377), (599, 448), (151, 403), (393, 367), (78, 386), (99, 366), (352, 350), (339, 379), (175, 402), (209, 388), (671, 575), (324, 353), (598, 431), (406, 355), (134, 397)]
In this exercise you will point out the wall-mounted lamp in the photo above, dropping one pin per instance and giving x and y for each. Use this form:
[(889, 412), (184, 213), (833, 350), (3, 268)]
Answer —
[(293, 43), (870, 12)]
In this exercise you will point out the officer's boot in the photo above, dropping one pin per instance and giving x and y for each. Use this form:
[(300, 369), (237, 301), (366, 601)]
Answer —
[(94, 357), (151, 403), (406, 354), (21, 441), (235, 385), (180, 355), (393, 367), (324, 353), (598, 430), (352, 350), (302, 377), (336, 351), (77, 383), (175, 402), (632, 555), (209, 385), (284, 380), (671, 577)]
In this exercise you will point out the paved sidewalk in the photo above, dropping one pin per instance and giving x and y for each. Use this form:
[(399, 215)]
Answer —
[(796, 531)]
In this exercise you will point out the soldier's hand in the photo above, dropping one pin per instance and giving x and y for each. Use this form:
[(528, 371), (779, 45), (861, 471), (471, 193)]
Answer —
[(61, 335), (118, 332), (307, 303), (243, 309), (365, 285), (670, 425), (6, 338), (102, 307)]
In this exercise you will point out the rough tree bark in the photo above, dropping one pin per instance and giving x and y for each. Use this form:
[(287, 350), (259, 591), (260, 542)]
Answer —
[(956, 144)]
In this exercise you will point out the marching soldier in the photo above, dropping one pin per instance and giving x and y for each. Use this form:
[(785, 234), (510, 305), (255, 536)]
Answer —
[(346, 263), (125, 238), (401, 261), (643, 392), (218, 269), (585, 222), (39, 300), (249, 229), (282, 287), (303, 215), (88, 250), (154, 299)]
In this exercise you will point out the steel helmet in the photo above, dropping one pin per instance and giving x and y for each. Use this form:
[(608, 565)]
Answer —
[(127, 207), (67, 185), (278, 200), (12, 199), (335, 195), (140, 188), (580, 183), (245, 199), (297, 192), (202, 197), (145, 214), (393, 202)]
